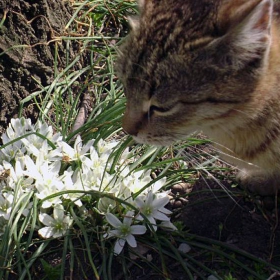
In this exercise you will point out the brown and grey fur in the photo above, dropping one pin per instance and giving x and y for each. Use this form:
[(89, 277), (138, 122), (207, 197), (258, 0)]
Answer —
[(190, 65)]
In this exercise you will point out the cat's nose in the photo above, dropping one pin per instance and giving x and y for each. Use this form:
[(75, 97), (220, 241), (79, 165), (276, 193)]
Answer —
[(130, 127), (131, 123)]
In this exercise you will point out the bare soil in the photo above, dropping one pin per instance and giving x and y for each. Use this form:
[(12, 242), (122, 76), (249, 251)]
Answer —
[(239, 219)]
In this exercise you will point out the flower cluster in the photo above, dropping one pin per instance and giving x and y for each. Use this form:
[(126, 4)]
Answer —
[(37, 164)]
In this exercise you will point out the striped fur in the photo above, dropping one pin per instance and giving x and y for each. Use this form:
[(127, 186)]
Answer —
[(207, 65)]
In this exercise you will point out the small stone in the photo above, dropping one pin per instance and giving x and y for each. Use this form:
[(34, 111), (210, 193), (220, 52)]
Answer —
[(184, 248), (183, 200), (178, 188), (149, 257), (177, 204)]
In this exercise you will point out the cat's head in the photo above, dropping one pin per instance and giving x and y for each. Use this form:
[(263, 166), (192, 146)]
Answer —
[(189, 65)]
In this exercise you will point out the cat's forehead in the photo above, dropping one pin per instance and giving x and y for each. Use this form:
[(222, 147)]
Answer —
[(167, 27), (188, 19), (165, 42)]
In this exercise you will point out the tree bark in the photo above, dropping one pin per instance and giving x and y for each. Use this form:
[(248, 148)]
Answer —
[(29, 34)]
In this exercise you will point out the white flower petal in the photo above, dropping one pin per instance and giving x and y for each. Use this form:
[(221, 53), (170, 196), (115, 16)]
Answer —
[(58, 212), (127, 220), (32, 170), (167, 225), (152, 222), (160, 202), (68, 150), (165, 211), (67, 221), (160, 216), (131, 240), (158, 184), (150, 199), (113, 220), (46, 203), (138, 229), (139, 217), (46, 219), (59, 233), (86, 147), (46, 232), (114, 232), (78, 143), (119, 246), (139, 201)]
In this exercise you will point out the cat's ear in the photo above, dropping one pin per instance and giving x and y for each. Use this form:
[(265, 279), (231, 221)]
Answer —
[(246, 26), (233, 12)]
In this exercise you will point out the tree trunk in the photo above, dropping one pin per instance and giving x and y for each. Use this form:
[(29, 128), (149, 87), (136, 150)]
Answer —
[(28, 37)]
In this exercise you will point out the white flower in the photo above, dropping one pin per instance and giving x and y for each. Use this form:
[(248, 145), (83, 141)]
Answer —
[(67, 179), (39, 166), (42, 149), (152, 207), (157, 185), (46, 130), (57, 225), (78, 151), (35, 144), (47, 180), (105, 204), (89, 181), (16, 179), (45, 153), (6, 201), (16, 129), (134, 182), (125, 156), (168, 226), (10, 152), (85, 181), (98, 164), (124, 231), (104, 147)]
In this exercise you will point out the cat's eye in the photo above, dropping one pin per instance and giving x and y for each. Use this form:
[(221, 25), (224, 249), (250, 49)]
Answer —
[(154, 108)]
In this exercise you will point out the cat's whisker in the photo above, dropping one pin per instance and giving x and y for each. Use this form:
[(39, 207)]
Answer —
[(222, 150), (199, 166), (246, 114)]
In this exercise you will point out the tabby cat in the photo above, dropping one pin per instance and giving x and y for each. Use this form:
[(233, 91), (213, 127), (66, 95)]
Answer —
[(210, 65)]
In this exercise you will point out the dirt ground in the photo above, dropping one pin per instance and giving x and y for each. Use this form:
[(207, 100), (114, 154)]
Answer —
[(245, 222)]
